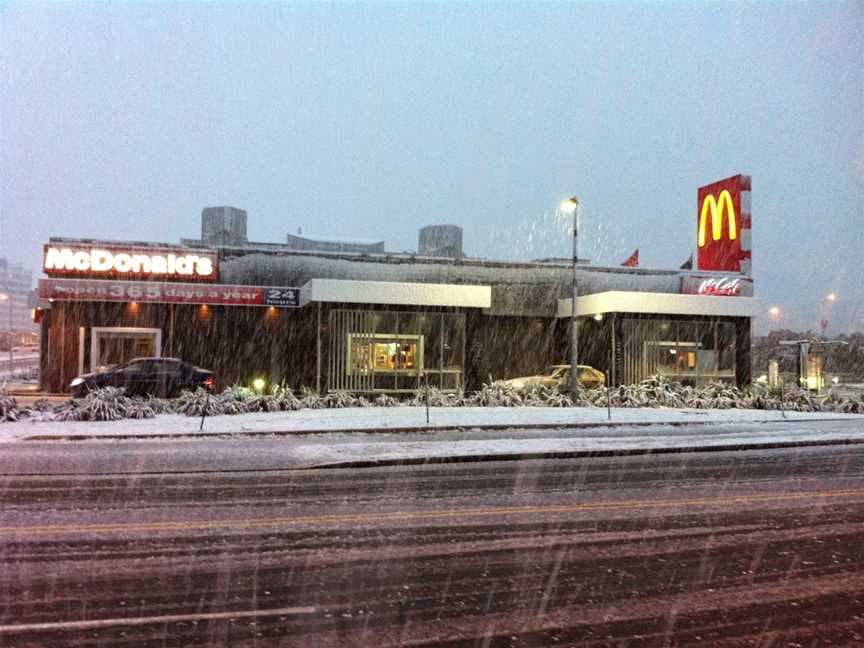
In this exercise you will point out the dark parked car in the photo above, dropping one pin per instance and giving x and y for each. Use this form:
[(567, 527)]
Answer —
[(163, 377)]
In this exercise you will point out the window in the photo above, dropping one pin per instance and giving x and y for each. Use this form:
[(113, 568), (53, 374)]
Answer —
[(384, 353)]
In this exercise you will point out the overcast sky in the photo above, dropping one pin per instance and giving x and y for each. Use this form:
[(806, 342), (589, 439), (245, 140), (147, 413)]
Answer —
[(124, 120)]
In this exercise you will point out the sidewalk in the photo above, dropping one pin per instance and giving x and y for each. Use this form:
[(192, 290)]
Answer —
[(401, 420)]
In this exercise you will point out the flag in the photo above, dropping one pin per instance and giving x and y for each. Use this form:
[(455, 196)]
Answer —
[(688, 264), (633, 261)]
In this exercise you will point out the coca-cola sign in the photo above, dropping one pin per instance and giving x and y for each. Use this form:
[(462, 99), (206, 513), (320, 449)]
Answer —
[(717, 286)]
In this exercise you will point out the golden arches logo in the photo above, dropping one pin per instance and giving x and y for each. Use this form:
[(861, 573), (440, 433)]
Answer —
[(717, 207)]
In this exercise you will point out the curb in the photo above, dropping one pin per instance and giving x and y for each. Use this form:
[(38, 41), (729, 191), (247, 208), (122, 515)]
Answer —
[(425, 429), (582, 454)]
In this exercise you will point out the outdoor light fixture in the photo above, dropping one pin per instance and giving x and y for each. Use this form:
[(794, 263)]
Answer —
[(831, 297), (570, 205), (774, 311), (258, 384), (598, 317)]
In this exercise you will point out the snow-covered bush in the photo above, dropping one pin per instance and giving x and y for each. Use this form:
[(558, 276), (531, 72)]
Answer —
[(105, 404), (41, 405), (497, 394), (69, 411), (720, 395), (140, 408), (849, 405), (385, 400), (338, 399), (285, 398), (161, 405), (263, 403), (198, 403), (9, 410), (436, 398), (659, 391), (629, 396), (310, 399), (801, 400), (543, 396)]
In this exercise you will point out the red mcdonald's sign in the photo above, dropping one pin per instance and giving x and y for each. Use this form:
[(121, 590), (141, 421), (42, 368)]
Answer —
[(723, 225)]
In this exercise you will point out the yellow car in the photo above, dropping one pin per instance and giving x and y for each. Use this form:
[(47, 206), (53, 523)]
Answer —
[(559, 376)]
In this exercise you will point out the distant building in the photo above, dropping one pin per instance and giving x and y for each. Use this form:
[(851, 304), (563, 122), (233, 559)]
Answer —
[(440, 241), (223, 226), (15, 283)]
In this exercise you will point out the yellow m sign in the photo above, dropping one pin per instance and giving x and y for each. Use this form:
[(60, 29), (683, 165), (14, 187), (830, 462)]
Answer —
[(717, 207)]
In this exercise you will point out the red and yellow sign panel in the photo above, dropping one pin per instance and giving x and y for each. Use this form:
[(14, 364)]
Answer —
[(723, 225)]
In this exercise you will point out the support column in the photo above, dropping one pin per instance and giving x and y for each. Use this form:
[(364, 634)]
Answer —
[(318, 350)]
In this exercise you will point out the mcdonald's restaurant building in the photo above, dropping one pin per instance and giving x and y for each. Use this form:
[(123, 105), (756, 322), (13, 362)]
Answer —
[(354, 317)]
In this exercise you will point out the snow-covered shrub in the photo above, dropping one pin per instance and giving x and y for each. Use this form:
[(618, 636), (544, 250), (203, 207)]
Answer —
[(800, 400), (237, 399), (42, 416), (720, 395), (543, 396), (849, 405), (310, 399), (629, 396), (69, 411), (285, 398), (263, 403), (198, 403), (385, 400), (105, 404), (161, 405), (41, 405), (436, 398), (9, 410), (497, 394), (228, 405), (659, 391), (338, 399), (140, 408)]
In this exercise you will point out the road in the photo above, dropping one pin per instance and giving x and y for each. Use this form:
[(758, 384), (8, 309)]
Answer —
[(700, 549)]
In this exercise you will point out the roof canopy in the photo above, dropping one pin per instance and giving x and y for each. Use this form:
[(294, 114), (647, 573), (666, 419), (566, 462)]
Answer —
[(395, 293), (651, 303)]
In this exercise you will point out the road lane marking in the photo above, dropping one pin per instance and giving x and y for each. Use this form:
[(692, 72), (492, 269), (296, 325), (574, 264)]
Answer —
[(199, 525), (94, 624)]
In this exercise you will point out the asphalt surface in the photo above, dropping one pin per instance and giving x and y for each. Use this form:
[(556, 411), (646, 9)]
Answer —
[(759, 548)]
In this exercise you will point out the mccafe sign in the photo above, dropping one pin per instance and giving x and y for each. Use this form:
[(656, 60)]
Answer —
[(144, 263), (733, 286)]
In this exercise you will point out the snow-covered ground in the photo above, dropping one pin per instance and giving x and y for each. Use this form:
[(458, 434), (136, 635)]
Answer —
[(382, 419), (318, 450)]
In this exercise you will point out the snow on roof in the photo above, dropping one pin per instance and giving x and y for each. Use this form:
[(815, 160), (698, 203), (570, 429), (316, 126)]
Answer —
[(342, 240)]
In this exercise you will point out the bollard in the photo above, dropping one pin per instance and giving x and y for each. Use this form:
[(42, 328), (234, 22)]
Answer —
[(204, 413), (608, 398)]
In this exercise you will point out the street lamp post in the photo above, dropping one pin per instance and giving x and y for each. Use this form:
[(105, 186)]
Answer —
[(825, 311), (572, 205)]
